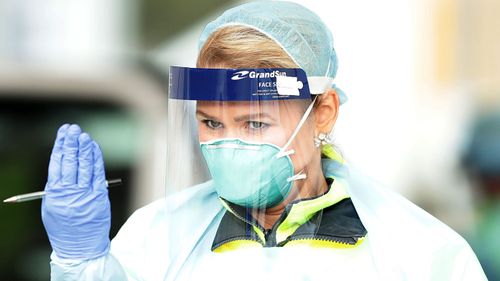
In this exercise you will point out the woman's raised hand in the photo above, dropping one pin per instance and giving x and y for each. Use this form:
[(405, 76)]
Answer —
[(76, 210)]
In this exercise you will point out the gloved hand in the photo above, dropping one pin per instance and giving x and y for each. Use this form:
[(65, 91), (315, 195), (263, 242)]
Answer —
[(76, 210)]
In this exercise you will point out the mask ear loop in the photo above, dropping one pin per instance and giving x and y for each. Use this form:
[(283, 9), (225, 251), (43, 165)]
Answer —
[(299, 176), (283, 151)]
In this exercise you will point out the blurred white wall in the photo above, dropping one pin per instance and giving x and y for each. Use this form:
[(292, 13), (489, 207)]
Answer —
[(66, 34), (400, 126), (375, 44)]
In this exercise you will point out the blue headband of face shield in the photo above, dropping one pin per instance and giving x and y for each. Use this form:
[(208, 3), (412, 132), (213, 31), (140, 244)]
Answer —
[(243, 84)]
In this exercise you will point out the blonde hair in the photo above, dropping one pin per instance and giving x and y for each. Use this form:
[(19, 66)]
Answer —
[(238, 46)]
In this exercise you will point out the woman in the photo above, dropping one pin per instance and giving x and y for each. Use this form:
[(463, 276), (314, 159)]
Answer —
[(281, 203)]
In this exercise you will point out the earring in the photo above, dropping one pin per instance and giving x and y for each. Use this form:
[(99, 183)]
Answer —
[(322, 139)]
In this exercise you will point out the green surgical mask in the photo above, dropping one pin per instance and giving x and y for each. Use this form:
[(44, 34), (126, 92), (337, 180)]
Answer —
[(253, 175)]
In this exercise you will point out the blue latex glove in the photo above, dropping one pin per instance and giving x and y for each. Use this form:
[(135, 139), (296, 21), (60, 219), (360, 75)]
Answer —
[(76, 210)]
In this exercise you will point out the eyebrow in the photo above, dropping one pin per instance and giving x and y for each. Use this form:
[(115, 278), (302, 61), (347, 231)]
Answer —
[(253, 116), (205, 115), (239, 118)]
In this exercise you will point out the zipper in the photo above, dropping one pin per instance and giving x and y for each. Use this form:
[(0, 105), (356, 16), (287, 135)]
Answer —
[(236, 239), (334, 239), (267, 237), (270, 234)]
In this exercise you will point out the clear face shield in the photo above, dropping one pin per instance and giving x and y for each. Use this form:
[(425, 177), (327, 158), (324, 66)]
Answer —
[(246, 129), (247, 133)]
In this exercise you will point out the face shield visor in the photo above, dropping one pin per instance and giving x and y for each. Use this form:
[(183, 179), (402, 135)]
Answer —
[(241, 127), (247, 133)]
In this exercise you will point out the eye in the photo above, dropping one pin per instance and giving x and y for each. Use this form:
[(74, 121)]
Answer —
[(256, 125), (212, 124)]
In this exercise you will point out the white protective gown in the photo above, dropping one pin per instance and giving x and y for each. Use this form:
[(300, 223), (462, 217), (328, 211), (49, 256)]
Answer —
[(170, 239)]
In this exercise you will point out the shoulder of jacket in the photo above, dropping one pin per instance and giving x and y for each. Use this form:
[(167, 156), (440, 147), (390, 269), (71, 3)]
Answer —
[(388, 214)]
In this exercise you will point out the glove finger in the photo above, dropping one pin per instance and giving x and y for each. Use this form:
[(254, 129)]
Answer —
[(69, 167), (99, 173), (56, 157), (85, 161)]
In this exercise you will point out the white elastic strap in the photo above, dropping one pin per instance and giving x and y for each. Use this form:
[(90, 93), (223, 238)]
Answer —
[(299, 176), (283, 151), (328, 67), (319, 84)]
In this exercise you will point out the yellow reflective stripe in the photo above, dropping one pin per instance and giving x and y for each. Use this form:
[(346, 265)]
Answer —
[(302, 211), (331, 153), (322, 243), (237, 244), (226, 206)]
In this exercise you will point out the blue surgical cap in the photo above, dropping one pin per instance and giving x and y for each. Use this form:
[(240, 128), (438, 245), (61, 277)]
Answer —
[(299, 31)]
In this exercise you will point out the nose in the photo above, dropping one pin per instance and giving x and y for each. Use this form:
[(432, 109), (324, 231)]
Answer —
[(232, 132)]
